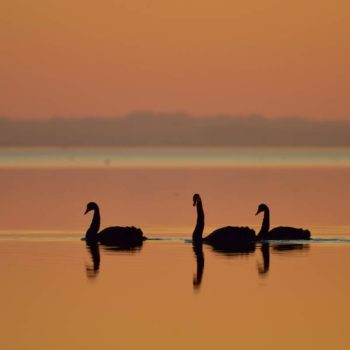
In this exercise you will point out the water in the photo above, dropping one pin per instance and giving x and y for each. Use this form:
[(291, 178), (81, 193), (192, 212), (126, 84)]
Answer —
[(57, 293), (51, 297), (174, 157)]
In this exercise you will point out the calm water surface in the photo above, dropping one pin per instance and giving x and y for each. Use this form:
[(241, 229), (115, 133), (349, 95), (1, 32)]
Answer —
[(166, 295), (56, 293)]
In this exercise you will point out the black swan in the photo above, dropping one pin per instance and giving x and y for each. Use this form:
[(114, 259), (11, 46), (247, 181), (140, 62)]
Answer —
[(281, 232), (224, 237), (116, 235)]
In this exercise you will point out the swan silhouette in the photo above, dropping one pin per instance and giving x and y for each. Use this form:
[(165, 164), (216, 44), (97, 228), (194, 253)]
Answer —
[(224, 237), (114, 236), (281, 232)]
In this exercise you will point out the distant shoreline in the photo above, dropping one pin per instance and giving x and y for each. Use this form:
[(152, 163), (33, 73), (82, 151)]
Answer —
[(174, 130)]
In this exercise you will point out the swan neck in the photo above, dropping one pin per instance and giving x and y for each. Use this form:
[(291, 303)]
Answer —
[(95, 225), (265, 227), (198, 231)]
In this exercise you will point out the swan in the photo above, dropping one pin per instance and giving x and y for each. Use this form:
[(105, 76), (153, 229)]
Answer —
[(116, 235), (222, 237), (281, 232)]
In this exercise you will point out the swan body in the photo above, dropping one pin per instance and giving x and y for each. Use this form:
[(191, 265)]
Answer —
[(115, 235), (228, 236), (281, 232), (285, 232)]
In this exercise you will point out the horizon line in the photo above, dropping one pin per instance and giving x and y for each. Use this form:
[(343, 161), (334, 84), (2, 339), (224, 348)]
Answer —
[(179, 113)]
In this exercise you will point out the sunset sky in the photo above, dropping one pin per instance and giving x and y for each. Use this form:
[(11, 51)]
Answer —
[(110, 57)]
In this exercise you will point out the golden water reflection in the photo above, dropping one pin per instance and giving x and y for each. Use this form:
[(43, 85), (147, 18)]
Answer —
[(172, 295)]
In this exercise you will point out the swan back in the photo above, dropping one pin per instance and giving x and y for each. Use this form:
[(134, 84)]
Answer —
[(121, 236), (231, 235), (285, 232)]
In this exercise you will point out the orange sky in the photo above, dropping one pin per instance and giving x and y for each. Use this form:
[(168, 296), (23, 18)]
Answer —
[(76, 57)]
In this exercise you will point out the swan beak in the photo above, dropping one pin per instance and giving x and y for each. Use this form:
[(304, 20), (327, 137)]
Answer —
[(258, 212), (86, 211)]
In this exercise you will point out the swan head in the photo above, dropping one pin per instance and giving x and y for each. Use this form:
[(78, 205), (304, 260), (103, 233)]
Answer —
[(262, 208), (91, 206), (196, 198)]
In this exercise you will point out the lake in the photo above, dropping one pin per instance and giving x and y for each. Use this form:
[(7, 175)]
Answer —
[(58, 293)]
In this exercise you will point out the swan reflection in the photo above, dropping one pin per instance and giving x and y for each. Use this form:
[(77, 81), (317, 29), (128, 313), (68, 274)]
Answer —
[(94, 251), (283, 248), (93, 248), (124, 249), (228, 251), (246, 249), (198, 252), (234, 249)]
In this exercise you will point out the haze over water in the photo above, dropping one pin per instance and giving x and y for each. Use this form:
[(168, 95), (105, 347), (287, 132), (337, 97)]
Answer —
[(56, 293), (47, 188)]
